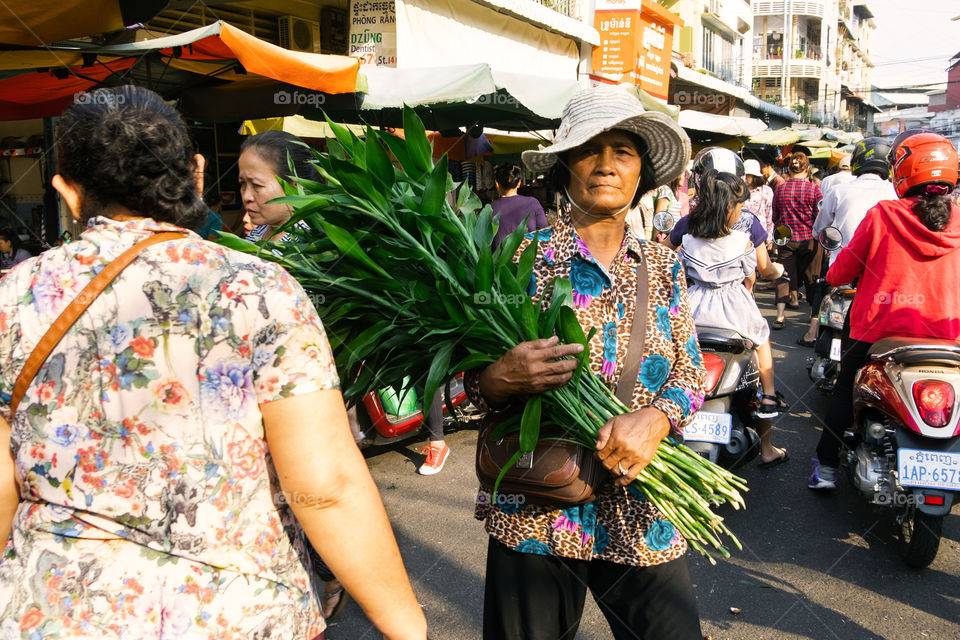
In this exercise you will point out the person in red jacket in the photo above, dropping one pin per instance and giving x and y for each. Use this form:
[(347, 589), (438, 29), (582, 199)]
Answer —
[(903, 253)]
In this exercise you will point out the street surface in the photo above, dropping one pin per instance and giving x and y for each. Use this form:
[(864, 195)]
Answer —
[(814, 566)]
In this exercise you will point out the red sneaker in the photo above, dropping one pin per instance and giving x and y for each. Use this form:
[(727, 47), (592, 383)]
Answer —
[(436, 457)]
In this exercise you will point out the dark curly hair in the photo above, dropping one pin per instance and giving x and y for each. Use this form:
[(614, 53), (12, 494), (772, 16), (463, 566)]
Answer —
[(717, 192), (287, 154), (126, 146), (508, 175)]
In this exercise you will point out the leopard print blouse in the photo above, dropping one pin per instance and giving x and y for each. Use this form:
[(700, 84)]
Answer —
[(620, 525)]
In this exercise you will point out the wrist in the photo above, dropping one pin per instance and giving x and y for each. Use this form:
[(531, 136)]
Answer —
[(491, 388)]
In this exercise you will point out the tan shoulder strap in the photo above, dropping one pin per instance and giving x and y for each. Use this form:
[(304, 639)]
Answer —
[(638, 336), (74, 310)]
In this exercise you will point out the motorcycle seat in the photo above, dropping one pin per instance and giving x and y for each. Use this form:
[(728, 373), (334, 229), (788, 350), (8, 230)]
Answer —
[(912, 350), (725, 339)]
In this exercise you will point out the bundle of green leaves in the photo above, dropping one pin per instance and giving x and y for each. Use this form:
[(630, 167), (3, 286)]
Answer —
[(398, 258)]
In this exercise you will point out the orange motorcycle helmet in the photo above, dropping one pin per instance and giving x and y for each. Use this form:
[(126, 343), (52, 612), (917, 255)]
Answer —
[(923, 159)]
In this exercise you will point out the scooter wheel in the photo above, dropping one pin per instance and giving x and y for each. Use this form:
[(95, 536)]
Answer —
[(920, 538), (744, 446)]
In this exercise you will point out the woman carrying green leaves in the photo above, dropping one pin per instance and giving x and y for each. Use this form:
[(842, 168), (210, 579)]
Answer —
[(542, 560)]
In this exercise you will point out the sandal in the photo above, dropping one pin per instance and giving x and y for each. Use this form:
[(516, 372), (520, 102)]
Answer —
[(783, 457), (806, 343), (777, 324), (774, 408), (330, 595)]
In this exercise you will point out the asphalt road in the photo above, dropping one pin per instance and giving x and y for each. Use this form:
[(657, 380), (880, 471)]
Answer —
[(814, 566)]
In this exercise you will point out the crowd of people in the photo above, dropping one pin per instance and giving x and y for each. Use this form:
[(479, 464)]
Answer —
[(184, 458)]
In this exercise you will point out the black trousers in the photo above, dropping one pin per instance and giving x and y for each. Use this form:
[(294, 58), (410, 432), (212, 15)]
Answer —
[(534, 597), (853, 355), (795, 258), (434, 419)]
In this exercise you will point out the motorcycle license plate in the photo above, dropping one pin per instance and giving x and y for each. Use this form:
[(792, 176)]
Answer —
[(835, 349), (709, 426), (931, 469)]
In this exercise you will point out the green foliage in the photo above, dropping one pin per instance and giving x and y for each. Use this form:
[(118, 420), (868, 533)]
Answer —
[(407, 285)]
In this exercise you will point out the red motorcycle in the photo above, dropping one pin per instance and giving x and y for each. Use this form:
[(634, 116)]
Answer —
[(379, 426), (904, 449)]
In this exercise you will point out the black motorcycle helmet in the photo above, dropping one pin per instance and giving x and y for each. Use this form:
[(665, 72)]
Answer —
[(870, 156)]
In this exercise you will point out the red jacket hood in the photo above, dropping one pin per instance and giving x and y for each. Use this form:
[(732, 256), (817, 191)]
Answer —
[(914, 234)]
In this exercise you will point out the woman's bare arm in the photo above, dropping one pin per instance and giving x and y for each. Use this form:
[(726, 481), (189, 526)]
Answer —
[(9, 490), (768, 269), (325, 480)]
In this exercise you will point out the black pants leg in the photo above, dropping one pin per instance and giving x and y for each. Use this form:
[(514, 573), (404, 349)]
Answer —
[(533, 597), (840, 414), (646, 603), (788, 281), (435, 417)]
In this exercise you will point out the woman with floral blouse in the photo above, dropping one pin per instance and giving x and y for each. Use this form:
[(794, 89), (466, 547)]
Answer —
[(541, 561), (160, 465)]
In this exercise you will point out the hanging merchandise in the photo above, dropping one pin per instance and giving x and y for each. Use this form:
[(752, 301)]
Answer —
[(470, 174), (456, 171)]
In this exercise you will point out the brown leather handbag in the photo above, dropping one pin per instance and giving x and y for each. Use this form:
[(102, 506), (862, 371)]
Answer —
[(74, 310), (557, 472)]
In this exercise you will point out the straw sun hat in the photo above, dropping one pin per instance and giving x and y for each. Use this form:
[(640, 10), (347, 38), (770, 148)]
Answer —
[(593, 111)]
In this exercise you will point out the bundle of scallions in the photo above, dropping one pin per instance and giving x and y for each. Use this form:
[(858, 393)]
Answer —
[(398, 258)]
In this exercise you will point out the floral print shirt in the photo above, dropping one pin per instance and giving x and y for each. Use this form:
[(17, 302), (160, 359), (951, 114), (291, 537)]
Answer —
[(620, 525), (144, 423)]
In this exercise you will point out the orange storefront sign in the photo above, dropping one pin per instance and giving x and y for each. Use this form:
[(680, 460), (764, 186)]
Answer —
[(636, 43)]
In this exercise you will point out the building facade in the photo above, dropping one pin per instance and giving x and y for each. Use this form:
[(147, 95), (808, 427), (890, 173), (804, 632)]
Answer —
[(716, 34), (812, 56)]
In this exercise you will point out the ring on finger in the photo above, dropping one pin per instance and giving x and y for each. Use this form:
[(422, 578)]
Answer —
[(622, 471)]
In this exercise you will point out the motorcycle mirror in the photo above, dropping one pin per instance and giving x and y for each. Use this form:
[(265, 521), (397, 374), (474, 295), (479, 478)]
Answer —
[(664, 222), (831, 238), (782, 234)]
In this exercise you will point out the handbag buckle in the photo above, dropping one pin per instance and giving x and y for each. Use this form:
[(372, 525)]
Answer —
[(526, 460)]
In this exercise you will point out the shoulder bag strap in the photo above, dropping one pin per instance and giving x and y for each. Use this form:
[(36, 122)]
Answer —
[(74, 310), (638, 334)]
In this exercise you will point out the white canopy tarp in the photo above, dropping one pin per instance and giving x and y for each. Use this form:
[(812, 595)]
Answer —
[(472, 84), (728, 125)]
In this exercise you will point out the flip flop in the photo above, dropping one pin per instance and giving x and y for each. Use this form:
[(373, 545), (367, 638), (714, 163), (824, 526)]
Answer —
[(777, 324), (775, 461), (806, 343), (330, 595)]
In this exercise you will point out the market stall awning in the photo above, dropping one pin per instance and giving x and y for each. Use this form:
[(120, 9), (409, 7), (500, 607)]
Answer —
[(296, 125), (776, 137), (716, 84), (222, 52), (728, 125), (468, 89), (37, 95), (457, 147), (36, 23), (444, 98)]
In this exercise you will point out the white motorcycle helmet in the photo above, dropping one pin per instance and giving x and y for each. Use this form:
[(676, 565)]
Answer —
[(718, 158)]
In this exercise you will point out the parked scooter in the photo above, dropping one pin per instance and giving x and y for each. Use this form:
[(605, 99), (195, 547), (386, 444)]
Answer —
[(388, 416), (824, 365), (722, 431), (903, 449)]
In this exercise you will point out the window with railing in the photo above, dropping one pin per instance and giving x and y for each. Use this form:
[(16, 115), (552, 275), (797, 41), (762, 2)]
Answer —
[(709, 53), (569, 8), (807, 51)]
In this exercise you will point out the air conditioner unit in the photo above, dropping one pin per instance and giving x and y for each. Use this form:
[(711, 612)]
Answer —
[(299, 34)]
